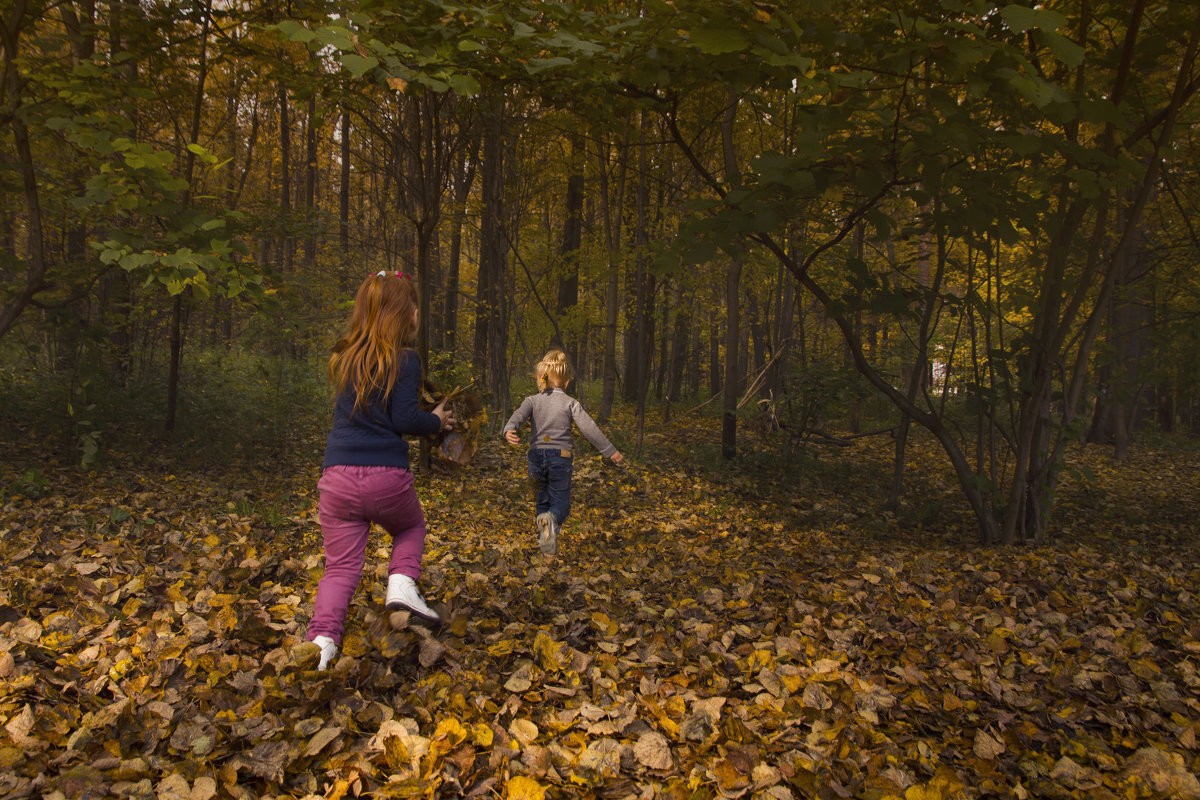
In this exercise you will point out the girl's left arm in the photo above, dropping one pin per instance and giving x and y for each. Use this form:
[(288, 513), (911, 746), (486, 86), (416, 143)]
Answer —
[(590, 430), (407, 416)]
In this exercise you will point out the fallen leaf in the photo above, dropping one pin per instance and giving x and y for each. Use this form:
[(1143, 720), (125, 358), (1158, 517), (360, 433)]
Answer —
[(653, 751)]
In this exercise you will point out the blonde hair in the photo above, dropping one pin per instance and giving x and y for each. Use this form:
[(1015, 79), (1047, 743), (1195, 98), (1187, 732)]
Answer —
[(381, 328), (553, 371)]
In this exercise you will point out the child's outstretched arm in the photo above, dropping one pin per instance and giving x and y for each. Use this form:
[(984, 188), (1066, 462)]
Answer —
[(591, 431), (523, 412)]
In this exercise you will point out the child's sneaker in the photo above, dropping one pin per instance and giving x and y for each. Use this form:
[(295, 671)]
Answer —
[(329, 650), (547, 527), (402, 594)]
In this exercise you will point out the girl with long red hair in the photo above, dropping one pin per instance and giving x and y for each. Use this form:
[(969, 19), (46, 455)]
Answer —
[(366, 476)]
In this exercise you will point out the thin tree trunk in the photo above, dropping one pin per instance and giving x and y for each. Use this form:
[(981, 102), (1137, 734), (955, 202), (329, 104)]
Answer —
[(344, 193), (310, 186), (611, 204), (640, 374), (464, 178), (10, 29), (733, 279), (189, 177), (572, 239)]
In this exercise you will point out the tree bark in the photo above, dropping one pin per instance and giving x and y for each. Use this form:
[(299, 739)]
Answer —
[(733, 279), (177, 310), (35, 273), (611, 204), (572, 240)]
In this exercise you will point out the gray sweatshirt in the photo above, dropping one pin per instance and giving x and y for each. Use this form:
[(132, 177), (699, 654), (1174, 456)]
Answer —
[(552, 413)]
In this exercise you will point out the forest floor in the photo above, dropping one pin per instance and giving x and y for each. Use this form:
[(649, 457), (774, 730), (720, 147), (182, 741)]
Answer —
[(765, 631)]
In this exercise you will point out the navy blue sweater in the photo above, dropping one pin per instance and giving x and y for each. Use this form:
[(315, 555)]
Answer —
[(374, 435)]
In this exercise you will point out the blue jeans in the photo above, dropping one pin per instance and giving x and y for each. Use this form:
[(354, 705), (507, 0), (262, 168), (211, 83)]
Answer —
[(550, 473)]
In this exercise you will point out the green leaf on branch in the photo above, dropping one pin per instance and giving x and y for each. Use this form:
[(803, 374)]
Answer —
[(358, 65), (536, 65), (336, 37), (1022, 18), (295, 31), (1064, 49), (202, 153), (717, 41), (465, 85)]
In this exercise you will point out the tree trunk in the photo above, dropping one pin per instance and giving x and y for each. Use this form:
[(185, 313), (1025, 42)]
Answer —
[(491, 340), (572, 239), (464, 179), (733, 279), (35, 273), (310, 186), (640, 377), (611, 205), (284, 253), (344, 193), (177, 309)]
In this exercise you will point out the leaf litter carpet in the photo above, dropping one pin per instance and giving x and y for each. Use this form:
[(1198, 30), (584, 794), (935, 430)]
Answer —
[(703, 634)]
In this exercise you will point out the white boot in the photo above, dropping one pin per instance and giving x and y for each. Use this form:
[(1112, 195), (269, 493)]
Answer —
[(402, 594), (329, 650), (547, 527)]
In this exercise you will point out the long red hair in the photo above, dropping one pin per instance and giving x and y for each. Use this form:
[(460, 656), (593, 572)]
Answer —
[(382, 326)]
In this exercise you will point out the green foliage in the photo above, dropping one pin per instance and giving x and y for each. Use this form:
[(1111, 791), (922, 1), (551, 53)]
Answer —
[(446, 371), (30, 483), (231, 404)]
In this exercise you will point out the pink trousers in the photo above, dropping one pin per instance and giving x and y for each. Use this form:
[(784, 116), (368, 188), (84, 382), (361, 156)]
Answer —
[(351, 499)]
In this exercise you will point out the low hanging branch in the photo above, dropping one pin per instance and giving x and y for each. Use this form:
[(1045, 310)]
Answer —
[(761, 379), (755, 385), (532, 283)]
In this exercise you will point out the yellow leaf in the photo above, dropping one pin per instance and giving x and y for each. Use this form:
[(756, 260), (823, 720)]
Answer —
[(482, 735), (549, 652), (728, 777), (340, 787), (451, 731), (226, 619), (395, 752), (521, 787)]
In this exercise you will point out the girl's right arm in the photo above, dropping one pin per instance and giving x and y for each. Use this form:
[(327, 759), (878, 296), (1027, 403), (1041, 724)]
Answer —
[(523, 412), (406, 413)]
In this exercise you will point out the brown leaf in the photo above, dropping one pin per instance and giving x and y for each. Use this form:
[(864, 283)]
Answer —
[(19, 727), (523, 730), (173, 787), (1164, 772), (431, 651), (653, 751), (522, 678), (987, 746), (601, 759), (323, 737), (270, 760)]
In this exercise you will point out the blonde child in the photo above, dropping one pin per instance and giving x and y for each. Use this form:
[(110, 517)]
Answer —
[(551, 445), (365, 476)]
